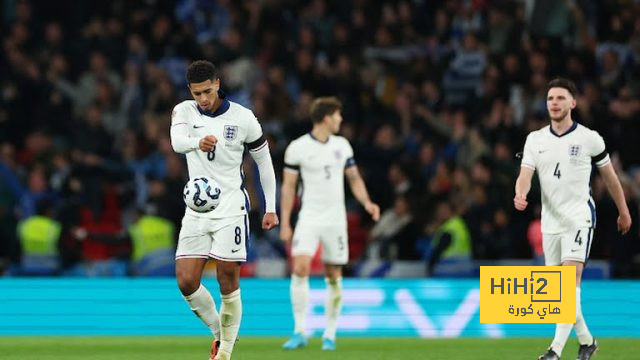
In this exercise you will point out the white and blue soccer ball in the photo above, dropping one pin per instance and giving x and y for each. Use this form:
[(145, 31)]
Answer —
[(202, 194)]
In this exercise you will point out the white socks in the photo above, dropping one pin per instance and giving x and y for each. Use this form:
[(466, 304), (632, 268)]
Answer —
[(230, 316), (202, 304), (300, 302), (333, 305), (299, 291), (582, 332), (563, 330)]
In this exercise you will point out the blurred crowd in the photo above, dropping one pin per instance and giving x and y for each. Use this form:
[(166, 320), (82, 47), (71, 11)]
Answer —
[(438, 99)]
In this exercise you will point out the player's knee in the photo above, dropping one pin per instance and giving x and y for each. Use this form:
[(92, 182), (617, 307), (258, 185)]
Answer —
[(301, 270), (188, 283), (228, 281)]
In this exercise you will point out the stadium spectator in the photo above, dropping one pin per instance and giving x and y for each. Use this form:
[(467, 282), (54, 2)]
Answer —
[(440, 87)]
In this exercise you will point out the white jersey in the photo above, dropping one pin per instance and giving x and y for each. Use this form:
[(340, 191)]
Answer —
[(564, 165), (234, 126), (321, 167)]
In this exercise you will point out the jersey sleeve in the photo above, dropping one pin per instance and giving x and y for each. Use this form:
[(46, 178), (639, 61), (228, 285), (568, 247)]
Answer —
[(255, 138), (292, 158), (528, 155), (181, 141), (598, 151), (350, 160)]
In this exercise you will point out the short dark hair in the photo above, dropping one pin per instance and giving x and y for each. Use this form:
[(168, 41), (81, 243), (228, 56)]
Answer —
[(324, 106), (200, 71), (565, 84)]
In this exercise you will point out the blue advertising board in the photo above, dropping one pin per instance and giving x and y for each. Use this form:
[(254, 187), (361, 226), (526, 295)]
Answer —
[(410, 308)]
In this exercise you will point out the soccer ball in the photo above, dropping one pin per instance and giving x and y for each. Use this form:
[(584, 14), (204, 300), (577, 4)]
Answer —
[(201, 194)]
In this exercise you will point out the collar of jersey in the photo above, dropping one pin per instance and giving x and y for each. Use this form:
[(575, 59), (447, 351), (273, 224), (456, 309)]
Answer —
[(318, 140), (221, 109), (573, 127)]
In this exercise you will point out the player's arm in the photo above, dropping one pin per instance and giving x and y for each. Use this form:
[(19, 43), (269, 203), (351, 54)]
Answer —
[(523, 185), (617, 194), (259, 150), (527, 168), (287, 198), (359, 190), (181, 141)]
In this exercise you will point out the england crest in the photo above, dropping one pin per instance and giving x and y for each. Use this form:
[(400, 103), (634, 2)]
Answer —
[(230, 132), (574, 150)]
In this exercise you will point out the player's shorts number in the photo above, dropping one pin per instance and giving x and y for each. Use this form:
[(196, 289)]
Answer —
[(578, 238), (238, 238), (211, 154)]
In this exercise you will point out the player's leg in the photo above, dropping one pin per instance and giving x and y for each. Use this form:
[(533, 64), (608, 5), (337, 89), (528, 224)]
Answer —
[(552, 246), (200, 301), (579, 244), (231, 309), (303, 247), (335, 254), (333, 305), (229, 249), (299, 291), (191, 257)]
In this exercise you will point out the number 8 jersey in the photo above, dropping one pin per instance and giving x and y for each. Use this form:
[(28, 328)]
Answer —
[(564, 164), (235, 127)]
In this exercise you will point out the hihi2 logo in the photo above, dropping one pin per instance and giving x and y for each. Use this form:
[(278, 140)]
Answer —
[(527, 294)]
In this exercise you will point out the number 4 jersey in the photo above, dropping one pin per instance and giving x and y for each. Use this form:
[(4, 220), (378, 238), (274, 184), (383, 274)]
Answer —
[(235, 127), (564, 164)]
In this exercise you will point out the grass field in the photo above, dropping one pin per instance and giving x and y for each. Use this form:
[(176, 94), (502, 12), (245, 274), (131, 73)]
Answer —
[(196, 348)]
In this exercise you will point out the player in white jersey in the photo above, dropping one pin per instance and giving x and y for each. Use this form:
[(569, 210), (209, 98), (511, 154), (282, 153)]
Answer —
[(320, 159), (213, 133), (562, 154)]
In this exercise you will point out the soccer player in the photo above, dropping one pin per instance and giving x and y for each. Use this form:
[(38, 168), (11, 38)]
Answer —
[(321, 160), (563, 154), (214, 132)]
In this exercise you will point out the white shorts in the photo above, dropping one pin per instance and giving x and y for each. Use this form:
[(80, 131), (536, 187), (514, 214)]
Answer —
[(335, 245), (224, 239), (570, 245)]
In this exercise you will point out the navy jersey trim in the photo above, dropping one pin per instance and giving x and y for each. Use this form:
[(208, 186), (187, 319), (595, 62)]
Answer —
[(602, 155), (292, 167), (573, 127), (258, 143), (350, 162), (220, 110), (592, 208), (316, 139)]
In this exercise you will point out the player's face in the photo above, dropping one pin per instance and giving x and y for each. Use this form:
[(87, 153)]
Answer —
[(559, 103), (205, 93), (334, 121)]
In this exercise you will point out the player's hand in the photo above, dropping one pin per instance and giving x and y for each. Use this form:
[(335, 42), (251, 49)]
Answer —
[(624, 223), (269, 221), (373, 209), (207, 143), (286, 233), (520, 202)]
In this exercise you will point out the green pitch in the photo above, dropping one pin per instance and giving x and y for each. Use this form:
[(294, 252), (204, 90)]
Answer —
[(251, 348)]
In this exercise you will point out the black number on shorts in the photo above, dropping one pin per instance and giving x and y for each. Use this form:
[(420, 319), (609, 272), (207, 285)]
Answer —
[(578, 238), (556, 172), (238, 238), (211, 154)]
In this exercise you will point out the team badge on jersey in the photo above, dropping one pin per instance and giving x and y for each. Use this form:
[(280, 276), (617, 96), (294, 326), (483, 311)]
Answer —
[(230, 132), (574, 150), (338, 154)]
